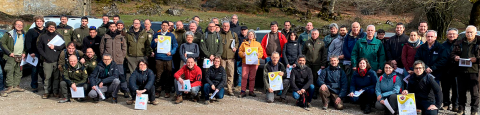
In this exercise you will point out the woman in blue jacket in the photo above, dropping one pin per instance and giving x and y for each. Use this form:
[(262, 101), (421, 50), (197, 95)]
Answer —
[(387, 88), (363, 79)]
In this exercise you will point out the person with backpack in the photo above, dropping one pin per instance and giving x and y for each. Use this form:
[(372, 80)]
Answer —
[(387, 88), (333, 84), (363, 79), (188, 49), (428, 94), (302, 83), (230, 45), (66, 53)]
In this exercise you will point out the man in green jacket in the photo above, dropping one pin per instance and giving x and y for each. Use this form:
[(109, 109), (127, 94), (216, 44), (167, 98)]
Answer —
[(306, 35), (369, 48), (13, 44), (138, 46), (74, 76), (316, 55), (90, 61), (210, 46), (65, 30), (80, 33), (229, 39), (104, 27)]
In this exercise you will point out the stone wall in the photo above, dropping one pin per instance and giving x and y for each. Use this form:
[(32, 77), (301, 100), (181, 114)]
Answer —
[(46, 7)]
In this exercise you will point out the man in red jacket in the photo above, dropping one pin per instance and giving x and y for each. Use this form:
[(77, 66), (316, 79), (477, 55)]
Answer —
[(273, 42), (193, 73)]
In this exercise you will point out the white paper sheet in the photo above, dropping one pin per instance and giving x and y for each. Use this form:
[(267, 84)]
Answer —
[(80, 93), (207, 63), (357, 93), (23, 62), (399, 71), (346, 62), (252, 56), (275, 81), (319, 71), (389, 107), (141, 102), (100, 93), (289, 71), (187, 52), (57, 41), (214, 93), (465, 62), (164, 44), (185, 87), (30, 60), (406, 79), (233, 44)]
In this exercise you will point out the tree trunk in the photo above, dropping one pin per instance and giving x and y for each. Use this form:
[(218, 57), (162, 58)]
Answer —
[(440, 17), (332, 7), (475, 14)]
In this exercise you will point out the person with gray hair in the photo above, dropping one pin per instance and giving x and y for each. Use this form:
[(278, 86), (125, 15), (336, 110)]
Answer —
[(230, 45), (371, 49), (428, 95), (275, 66), (316, 54), (433, 54), (249, 70), (188, 49), (105, 78), (333, 34), (234, 25), (467, 48), (394, 45), (451, 81)]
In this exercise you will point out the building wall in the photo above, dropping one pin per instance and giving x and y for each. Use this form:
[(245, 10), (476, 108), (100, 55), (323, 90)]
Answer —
[(45, 7)]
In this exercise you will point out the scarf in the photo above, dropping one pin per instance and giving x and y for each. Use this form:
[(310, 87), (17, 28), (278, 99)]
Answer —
[(362, 72), (414, 43), (112, 34)]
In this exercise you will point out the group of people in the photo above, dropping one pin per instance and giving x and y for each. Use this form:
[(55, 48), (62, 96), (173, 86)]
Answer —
[(111, 58)]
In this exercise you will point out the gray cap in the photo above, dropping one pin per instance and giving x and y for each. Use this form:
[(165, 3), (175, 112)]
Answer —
[(333, 25)]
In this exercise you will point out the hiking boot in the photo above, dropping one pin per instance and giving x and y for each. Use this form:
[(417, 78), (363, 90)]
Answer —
[(18, 89), (196, 98), (129, 102), (45, 96), (325, 105), (207, 102), (114, 100), (8, 90), (167, 95), (95, 100), (157, 95), (3, 94), (64, 100), (56, 95), (309, 105), (455, 108), (126, 95), (243, 94), (461, 112), (179, 99), (251, 93), (367, 109), (154, 102)]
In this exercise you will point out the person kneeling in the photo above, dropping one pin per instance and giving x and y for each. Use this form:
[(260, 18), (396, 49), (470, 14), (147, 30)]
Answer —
[(364, 80), (105, 78), (387, 88), (193, 73), (73, 77), (141, 81), (215, 77), (302, 83), (333, 84), (275, 66)]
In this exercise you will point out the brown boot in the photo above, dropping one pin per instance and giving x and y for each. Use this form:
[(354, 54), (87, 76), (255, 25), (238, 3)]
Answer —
[(129, 102), (9, 90), (167, 95), (18, 89), (179, 99), (155, 102), (45, 96)]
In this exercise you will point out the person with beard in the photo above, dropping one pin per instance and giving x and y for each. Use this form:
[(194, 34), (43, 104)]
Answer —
[(335, 48), (13, 44), (138, 47), (31, 39), (333, 35), (90, 60), (428, 95), (50, 54), (342, 31), (409, 50), (302, 82), (121, 28), (105, 78), (114, 43), (92, 41), (104, 27), (229, 39), (451, 80), (434, 55), (287, 27), (80, 33), (394, 45)]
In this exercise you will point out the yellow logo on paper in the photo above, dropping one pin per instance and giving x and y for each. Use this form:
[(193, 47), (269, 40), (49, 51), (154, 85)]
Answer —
[(164, 39), (251, 50), (403, 98), (273, 75)]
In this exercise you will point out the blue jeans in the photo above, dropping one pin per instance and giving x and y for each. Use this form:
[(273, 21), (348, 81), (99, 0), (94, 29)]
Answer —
[(35, 71), (208, 89), (310, 91), (194, 90), (2, 80), (239, 72)]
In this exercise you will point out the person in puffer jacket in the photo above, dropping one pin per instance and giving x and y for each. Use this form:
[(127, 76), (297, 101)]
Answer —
[(291, 50), (333, 84), (215, 77), (142, 81)]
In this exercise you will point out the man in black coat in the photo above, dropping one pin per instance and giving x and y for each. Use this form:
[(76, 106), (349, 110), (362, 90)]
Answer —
[(394, 45), (105, 78)]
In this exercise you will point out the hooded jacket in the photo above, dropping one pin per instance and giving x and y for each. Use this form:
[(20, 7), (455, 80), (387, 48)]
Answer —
[(138, 43), (210, 44), (115, 45)]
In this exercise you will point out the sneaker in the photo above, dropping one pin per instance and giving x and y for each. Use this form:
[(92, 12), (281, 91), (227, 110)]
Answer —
[(455, 108), (309, 105), (3, 94), (179, 99), (45, 96), (154, 102), (325, 105), (129, 102), (64, 100), (157, 95), (167, 95), (114, 100), (251, 93), (243, 94)]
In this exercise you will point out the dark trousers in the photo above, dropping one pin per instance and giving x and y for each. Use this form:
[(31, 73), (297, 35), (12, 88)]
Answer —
[(392, 99), (151, 92), (37, 70), (367, 97), (123, 79), (164, 76), (423, 105), (468, 81), (449, 80)]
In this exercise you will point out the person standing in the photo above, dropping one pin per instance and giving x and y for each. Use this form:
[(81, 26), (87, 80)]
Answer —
[(104, 27), (31, 39), (316, 55), (306, 35), (164, 61), (249, 71), (230, 44), (138, 46), (433, 55), (371, 49), (13, 44), (273, 42), (394, 45), (65, 30), (450, 79), (92, 41), (333, 35), (80, 33)]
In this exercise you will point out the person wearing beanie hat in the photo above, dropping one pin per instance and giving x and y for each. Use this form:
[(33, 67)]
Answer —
[(50, 54), (121, 28), (80, 33), (333, 34)]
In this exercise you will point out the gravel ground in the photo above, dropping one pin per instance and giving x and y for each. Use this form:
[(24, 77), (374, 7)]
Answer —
[(31, 103)]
